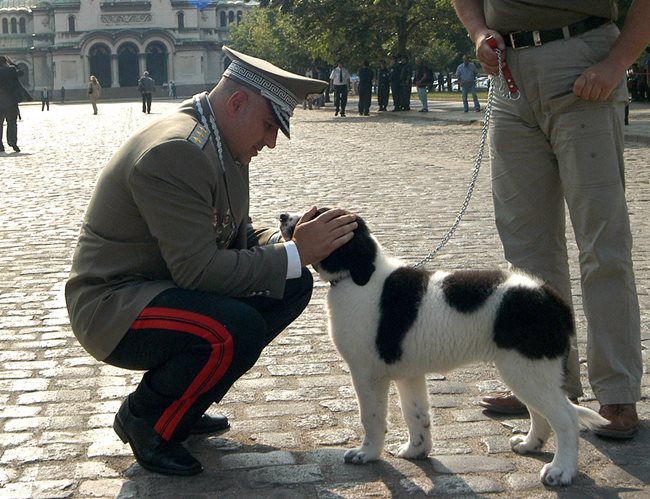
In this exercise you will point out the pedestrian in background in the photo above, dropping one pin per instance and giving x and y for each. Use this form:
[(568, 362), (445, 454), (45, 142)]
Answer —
[(9, 97), (466, 74), (561, 143), (396, 82), (62, 94), (643, 88), (94, 92), (147, 87), (383, 86), (406, 82), (366, 76), (340, 82), (45, 99), (423, 79), (441, 82)]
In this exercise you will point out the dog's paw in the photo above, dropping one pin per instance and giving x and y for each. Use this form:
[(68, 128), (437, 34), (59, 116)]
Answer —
[(554, 476), (410, 451), (522, 445), (359, 455)]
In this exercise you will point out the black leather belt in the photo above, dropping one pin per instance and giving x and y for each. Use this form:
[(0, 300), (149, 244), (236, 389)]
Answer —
[(525, 39)]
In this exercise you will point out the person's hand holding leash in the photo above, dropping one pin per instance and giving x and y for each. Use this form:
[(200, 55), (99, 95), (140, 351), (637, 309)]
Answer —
[(317, 236), (485, 50)]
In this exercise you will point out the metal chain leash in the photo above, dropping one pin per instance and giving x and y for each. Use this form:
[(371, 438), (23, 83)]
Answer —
[(506, 93)]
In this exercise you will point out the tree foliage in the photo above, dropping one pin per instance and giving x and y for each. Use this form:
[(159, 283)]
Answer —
[(300, 33)]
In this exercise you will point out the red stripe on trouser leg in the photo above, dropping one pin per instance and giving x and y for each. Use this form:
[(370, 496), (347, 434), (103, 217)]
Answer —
[(218, 362)]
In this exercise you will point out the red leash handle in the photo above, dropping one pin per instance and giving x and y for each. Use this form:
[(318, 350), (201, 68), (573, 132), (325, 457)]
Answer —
[(505, 69)]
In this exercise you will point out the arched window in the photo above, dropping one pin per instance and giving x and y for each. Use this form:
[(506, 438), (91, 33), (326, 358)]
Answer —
[(72, 24), (5, 26), (239, 16), (14, 25), (222, 19), (181, 21), (22, 25), (231, 17)]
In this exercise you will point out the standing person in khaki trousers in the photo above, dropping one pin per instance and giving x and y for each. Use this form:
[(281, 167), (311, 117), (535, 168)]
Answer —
[(562, 142), (94, 92)]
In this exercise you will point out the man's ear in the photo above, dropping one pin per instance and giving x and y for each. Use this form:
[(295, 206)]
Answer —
[(235, 102)]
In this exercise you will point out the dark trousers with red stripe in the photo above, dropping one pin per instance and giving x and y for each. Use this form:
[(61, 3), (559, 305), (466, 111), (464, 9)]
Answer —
[(194, 345)]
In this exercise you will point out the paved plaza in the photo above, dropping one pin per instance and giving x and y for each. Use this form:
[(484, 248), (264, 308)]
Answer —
[(294, 414)]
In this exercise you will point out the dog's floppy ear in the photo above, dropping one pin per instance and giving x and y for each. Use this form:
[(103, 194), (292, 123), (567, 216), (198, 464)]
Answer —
[(356, 256), (362, 271)]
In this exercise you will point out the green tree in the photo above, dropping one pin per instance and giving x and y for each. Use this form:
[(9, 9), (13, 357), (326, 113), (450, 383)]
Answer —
[(353, 30)]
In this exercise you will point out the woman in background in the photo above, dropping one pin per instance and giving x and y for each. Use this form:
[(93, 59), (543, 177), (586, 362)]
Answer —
[(94, 92)]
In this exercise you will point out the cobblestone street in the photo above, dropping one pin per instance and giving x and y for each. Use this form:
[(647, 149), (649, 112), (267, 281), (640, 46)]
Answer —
[(294, 414)]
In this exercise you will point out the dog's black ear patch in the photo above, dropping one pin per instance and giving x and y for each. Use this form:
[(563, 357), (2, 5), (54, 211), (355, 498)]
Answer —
[(536, 322), (356, 256), (467, 290), (399, 307)]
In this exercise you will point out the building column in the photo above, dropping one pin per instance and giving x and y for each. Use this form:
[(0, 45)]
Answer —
[(115, 79), (170, 67), (142, 63)]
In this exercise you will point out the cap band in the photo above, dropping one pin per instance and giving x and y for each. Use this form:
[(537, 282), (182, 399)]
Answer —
[(282, 117), (270, 89)]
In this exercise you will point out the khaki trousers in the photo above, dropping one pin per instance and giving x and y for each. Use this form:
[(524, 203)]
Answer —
[(549, 148)]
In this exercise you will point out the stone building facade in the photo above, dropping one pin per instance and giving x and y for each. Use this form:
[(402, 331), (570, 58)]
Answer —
[(60, 43)]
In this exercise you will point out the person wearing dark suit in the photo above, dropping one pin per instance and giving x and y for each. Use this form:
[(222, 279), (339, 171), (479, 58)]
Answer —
[(147, 87), (396, 82), (171, 276), (9, 98), (383, 86), (407, 82), (45, 99), (365, 88)]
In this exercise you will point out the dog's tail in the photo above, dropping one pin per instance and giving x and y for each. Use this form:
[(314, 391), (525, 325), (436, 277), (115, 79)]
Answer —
[(589, 418)]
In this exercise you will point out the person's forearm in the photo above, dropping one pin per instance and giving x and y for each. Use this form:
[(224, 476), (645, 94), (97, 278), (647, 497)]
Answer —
[(635, 35), (470, 13)]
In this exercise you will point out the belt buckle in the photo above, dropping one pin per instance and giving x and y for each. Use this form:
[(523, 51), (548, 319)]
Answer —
[(537, 40), (513, 44)]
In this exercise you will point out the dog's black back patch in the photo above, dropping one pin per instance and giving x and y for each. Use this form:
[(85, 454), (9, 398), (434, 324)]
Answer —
[(467, 290), (534, 321), (399, 307)]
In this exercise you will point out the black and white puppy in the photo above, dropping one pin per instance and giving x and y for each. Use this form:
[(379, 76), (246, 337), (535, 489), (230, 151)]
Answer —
[(391, 321)]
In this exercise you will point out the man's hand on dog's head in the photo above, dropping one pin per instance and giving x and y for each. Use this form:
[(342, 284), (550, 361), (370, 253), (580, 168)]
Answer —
[(316, 236)]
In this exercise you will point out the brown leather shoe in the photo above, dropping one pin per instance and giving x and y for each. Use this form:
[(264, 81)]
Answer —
[(503, 403), (507, 403), (624, 421)]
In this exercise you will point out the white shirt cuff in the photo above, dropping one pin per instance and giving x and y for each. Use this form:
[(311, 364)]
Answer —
[(294, 269)]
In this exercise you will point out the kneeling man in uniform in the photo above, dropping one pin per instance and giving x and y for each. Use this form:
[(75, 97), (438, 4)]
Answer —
[(170, 275)]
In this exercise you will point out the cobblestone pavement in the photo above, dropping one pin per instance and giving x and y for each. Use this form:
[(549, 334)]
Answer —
[(295, 412)]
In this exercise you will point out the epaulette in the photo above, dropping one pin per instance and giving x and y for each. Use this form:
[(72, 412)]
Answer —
[(199, 136)]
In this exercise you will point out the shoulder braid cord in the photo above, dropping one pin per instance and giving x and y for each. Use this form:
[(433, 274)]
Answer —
[(497, 83)]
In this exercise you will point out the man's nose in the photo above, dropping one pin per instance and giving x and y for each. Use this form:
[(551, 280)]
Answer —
[(271, 138)]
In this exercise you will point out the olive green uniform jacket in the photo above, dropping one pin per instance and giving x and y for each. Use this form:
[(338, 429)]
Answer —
[(159, 219)]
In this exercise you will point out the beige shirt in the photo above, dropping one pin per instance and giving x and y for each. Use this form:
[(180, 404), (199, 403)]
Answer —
[(160, 218), (97, 90), (506, 16)]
